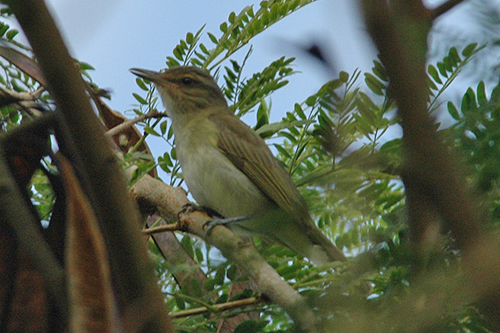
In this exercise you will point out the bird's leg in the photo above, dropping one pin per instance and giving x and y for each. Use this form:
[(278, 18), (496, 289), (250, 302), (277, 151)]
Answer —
[(191, 207), (217, 219), (209, 225)]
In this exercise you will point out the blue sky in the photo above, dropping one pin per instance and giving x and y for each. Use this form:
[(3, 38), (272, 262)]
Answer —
[(114, 36)]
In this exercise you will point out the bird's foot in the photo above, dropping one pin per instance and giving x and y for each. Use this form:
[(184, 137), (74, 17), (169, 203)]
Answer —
[(209, 225), (191, 207), (217, 219)]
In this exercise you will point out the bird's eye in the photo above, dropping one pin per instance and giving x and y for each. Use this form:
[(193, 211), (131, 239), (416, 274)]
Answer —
[(187, 81)]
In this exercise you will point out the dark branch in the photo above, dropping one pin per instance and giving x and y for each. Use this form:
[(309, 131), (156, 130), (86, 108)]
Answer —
[(443, 8)]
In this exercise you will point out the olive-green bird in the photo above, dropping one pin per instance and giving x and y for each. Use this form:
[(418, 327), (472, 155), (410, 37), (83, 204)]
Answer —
[(229, 168)]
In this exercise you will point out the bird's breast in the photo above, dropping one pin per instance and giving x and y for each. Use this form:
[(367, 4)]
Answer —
[(213, 180)]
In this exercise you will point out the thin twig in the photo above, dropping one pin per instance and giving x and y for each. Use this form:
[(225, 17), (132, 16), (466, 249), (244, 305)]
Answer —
[(218, 307), (161, 228), (443, 8), (151, 114)]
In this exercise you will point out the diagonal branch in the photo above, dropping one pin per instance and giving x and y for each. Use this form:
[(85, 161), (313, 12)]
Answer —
[(444, 8), (430, 170), (117, 129), (119, 220), (169, 201)]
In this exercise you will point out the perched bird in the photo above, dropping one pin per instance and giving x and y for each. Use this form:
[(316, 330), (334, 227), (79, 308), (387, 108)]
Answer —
[(228, 168)]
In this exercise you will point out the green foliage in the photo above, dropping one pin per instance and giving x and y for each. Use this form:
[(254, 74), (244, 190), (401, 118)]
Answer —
[(447, 70), (340, 147), (235, 33), (477, 132), (246, 94)]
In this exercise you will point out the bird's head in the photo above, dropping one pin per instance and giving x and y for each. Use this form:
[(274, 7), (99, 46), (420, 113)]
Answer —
[(185, 89)]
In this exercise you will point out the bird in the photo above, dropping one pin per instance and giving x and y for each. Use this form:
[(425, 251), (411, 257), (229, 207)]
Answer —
[(229, 169)]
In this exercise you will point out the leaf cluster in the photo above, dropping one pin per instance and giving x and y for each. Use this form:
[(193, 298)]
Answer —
[(343, 148)]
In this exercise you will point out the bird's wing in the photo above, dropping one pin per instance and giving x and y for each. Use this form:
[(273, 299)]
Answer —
[(250, 154)]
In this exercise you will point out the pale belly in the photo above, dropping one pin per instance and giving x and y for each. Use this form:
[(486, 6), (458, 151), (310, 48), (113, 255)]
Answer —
[(216, 183)]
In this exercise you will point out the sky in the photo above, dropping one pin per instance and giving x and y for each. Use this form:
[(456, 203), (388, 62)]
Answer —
[(116, 35)]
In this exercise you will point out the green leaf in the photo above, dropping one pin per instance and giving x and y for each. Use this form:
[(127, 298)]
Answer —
[(298, 110), (374, 84), (379, 70), (3, 28), (171, 62), (141, 84), (249, 326), (212, 38), (170, 133), (469, 50), (232, 272), (203, 48), (453, 111), (180, 303), (454, 55), (223, 27), (431, 85), (151, 131), (189, 38), (178, 53), (139, 98), (343, 76), (199, 258), (232, 17), (167, 160), (434, 74), (468, 101), (219, 275), (163, 127), (282, 151), (442, 69), (11, 34), (481, 93)]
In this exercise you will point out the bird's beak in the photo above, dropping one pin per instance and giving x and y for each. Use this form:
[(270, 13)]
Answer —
[(152, 76)]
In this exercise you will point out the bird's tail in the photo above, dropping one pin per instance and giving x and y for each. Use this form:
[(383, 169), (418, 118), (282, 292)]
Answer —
[(308, 241)]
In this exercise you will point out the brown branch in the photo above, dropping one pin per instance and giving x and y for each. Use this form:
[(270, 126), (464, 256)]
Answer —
[(117, 129), (429, 170), (443, 8), (175, 254), (217, 307), (169, 201), (432, 177), (161, 228), (15, 215), (119, 220)]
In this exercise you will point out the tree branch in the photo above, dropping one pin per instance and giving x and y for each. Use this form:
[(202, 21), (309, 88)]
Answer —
[(162, 228), (443, 8), (431, 174), (169, 201), (219, 307), (429, 170), (117, 129), (119, 220), (15, 216)]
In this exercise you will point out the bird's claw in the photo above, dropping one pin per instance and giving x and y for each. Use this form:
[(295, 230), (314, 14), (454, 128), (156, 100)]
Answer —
[(209, 225)]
